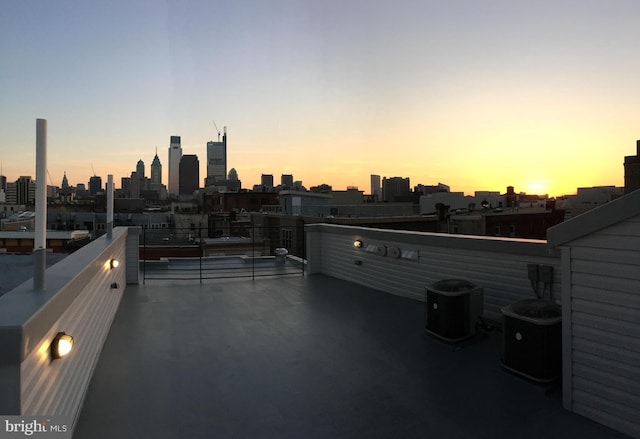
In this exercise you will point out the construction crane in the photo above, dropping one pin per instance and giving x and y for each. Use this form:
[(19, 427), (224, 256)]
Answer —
[(214, 124)]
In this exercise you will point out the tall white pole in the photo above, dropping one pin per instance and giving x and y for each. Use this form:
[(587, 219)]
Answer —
[(40, 237), (109, 206)]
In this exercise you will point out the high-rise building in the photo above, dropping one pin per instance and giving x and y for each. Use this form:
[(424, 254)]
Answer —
[(156, 173), (267, 181), (395, 188), (632, 171), (95, 185), (189, 174), (125, 187), (217, 160), (135, 185), (233, 182), (175, 155), (140, 169), (3, 183), (376, 189), (23, 191), (286, 180), (81, 190)]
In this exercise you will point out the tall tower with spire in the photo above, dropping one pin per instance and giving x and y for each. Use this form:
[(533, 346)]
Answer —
[(65, 190), (65, 182), (156, 173)]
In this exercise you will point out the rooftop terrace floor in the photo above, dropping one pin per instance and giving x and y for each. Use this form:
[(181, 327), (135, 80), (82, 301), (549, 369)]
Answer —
[(308, 356)]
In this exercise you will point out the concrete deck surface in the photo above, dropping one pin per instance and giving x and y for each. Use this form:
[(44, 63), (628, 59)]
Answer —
[(304, 357)]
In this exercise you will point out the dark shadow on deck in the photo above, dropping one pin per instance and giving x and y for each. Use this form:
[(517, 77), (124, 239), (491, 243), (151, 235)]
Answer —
[(304, 357)]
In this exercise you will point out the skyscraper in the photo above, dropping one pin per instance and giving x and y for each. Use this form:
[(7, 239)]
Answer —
[(286, 180), (217, 160), (266, 180), (175, 154), (142, 180), (395, 188), (233, 182), (95, 185), (156, 173), (140, 169), (23, 191), (189, 174), (376, 190)]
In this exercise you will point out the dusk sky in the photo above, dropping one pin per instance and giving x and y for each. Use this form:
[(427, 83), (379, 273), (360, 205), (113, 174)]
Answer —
[(542, 95)]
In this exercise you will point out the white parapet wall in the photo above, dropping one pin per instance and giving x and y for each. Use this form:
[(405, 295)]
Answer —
[(81, 298), (415, 260)]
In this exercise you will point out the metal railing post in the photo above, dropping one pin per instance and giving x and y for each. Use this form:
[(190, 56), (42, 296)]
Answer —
[(253, 250), (304, 249), (144, 254)]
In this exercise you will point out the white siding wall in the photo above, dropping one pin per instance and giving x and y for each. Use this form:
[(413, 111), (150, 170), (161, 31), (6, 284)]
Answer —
[(58, 387), (604, 316), (498, 266)]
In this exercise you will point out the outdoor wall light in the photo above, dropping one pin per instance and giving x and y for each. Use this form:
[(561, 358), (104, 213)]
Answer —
[(113, 263), (61, 345), (357, 243)]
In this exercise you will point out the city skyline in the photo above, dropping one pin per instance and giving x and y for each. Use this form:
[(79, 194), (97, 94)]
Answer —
[(476, 95)]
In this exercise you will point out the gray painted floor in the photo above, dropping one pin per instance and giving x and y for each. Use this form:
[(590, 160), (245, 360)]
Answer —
[(311, 357)]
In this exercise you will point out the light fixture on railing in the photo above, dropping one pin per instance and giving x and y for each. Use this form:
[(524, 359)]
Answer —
[(62, 344), (113, 263), (358, 243)]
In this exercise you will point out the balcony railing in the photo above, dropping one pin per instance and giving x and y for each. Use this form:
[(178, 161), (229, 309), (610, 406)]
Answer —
[(190, 254)]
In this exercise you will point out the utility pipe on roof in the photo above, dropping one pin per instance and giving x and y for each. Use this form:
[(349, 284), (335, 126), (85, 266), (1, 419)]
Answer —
[(109, 206), (40, 237)]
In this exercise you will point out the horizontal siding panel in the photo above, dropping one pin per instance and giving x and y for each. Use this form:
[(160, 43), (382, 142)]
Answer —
[(604, 284), (609, 270), (625, 377), (607, 326), (604, 391), (57, 388), (585, 348), (628, 342), (598, 296), (626, 228), (600, 240), (602, 313), (503, 277), (604, 255)]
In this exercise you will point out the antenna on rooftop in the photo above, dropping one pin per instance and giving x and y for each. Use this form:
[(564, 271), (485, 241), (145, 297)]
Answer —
[(50, 180), (214, 124)]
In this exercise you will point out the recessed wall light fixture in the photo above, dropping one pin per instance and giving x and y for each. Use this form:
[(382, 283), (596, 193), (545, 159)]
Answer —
[(61, 346), (113, 263), (358, 243)]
